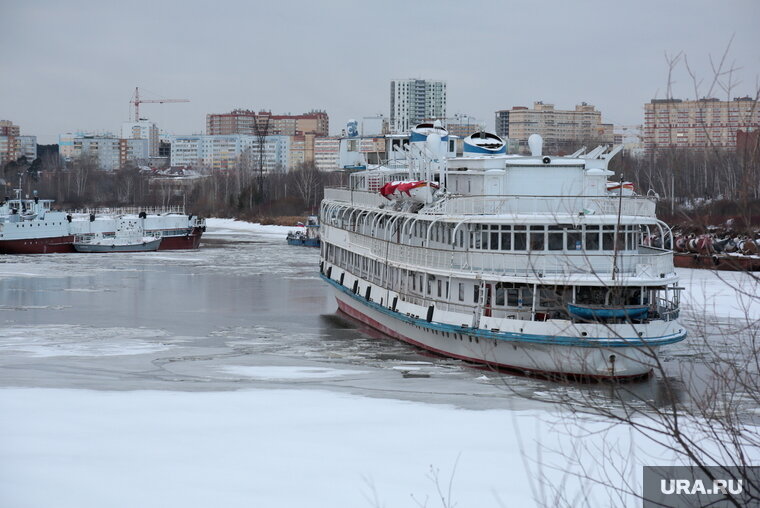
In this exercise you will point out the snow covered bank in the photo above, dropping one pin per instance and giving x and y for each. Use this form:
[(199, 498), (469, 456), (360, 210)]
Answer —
[(273, 448), (227, 227), (721, 294)]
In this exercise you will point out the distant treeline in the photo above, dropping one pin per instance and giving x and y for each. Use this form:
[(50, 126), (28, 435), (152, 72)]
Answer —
[(230, 193), (696, 187)]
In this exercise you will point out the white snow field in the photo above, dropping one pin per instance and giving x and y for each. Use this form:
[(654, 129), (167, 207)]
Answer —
[(226, 227), (275, 448)]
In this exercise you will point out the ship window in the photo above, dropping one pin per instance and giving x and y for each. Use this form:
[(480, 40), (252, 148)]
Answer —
[(440, 288), (513, 297), (484, 240), (500, 290), (574, 240), (494, 240), (506, 240), (555, 238), (527, 296), (520, 238), (461, 291), (475, 293), (592, 237), (608, 238), (537, 238)]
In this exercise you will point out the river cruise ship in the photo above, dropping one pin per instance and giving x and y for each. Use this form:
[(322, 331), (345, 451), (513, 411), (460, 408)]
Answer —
[(537, 264)]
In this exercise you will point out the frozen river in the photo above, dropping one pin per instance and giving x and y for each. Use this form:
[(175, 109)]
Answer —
[(225, 375), (244, 311)]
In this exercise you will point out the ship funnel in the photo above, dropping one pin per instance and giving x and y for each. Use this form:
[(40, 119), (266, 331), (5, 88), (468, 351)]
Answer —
[(423, 130), (536, 144), (483, 143)]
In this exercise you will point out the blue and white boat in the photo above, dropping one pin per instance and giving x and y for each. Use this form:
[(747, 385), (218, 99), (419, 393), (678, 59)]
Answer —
[(526, 263), (309, 236)]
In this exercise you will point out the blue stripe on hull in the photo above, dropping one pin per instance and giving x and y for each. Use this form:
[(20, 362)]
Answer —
[(515, 337)]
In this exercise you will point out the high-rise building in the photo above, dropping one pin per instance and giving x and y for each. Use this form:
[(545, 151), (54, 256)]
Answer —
[(502, 123), (301, 149), (7, 128), (144, 129), (557, 127), (243, 121), (13, 145), (413, 100), (675, 123), (327, 153)]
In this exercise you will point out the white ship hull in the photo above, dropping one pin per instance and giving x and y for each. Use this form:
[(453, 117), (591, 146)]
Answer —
[(508, 351)]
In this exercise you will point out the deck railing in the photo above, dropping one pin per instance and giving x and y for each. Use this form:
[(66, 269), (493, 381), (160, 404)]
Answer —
[(130, 210), (513, 204), (548, 263)]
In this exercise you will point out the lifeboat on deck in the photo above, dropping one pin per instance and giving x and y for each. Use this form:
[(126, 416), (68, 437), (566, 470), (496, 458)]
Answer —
[(420, 191)]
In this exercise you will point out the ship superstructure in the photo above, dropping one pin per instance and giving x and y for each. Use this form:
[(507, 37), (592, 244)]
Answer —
[(518, 262)]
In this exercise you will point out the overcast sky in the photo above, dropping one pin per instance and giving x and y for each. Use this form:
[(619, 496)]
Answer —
[(73, 65)]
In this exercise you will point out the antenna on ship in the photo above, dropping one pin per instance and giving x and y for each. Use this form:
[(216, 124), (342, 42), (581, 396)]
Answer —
[(617, 230)]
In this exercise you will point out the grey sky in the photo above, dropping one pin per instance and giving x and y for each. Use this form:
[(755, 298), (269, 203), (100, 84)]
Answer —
[(73, 65)]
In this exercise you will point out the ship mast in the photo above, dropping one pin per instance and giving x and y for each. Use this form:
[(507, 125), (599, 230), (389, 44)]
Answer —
[(617, 230)]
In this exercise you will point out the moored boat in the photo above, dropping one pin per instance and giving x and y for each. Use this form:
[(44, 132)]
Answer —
[(124, 240), (526, 263), (31, 226), (309, 237)]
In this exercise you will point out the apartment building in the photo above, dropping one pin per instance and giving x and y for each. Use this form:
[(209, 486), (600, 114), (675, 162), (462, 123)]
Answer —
[(223, 152), (413, 100), (144, 129), (697, 124), (110, 152), (301, 149), (13, 145), (559, 128), (245, 122), (327, 153)]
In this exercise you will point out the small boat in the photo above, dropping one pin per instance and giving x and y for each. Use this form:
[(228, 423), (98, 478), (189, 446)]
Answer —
[(307, 238), (600, 312), (122, 241)]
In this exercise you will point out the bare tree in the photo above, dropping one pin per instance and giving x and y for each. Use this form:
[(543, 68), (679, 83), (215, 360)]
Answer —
[(308, 182), (702, 411)]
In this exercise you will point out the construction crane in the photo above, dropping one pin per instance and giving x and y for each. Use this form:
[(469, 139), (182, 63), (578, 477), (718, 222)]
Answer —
[(136, 100)]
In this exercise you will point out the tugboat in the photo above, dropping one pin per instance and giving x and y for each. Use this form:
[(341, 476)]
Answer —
[(307, 238)]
